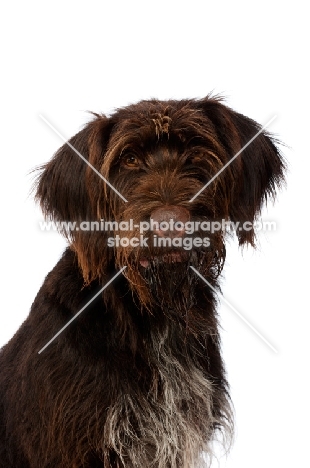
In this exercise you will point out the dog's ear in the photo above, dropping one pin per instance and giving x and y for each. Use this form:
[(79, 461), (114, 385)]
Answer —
[(62, 187), (255, 174)]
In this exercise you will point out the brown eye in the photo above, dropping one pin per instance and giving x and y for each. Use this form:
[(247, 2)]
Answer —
[(195, 157), (130, 161)]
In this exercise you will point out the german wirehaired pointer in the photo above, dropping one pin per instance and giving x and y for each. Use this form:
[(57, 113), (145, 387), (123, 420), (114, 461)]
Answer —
[(137, 379)]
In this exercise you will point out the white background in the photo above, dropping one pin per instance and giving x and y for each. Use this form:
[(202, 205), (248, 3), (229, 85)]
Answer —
[(64, 58)]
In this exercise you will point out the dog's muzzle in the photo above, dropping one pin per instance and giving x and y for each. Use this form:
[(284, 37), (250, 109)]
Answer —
[(169, 222)]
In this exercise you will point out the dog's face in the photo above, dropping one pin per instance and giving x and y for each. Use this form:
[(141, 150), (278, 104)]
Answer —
[(159, 156)]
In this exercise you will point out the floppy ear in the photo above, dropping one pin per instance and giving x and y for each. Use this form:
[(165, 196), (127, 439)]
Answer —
[(62, 186), (262, 174), (255, 174), (67, 189)]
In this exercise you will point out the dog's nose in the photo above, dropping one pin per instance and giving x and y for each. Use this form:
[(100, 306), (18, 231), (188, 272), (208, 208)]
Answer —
[(169, 221)]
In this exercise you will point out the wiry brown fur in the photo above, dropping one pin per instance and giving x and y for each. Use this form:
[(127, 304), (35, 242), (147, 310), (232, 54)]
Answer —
[(137, 380)]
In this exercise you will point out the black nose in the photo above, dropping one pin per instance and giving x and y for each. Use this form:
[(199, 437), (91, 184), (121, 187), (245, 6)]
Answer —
[(169, 221)]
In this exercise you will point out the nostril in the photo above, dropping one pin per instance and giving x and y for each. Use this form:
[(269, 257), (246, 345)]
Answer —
[(169, 221)]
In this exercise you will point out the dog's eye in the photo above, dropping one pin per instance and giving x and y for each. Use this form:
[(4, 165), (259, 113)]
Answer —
[(131, 161), (195, 157)]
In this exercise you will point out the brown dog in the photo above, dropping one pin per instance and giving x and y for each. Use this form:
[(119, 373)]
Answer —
[(137, 379)]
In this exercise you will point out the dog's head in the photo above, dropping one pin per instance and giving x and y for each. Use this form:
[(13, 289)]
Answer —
[(150, 163)]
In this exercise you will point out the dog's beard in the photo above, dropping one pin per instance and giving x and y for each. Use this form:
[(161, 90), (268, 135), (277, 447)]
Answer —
[(165, 280), (171, 281)]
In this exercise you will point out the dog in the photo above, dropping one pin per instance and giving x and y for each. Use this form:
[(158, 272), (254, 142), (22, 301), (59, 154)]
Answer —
[(134, 375)]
